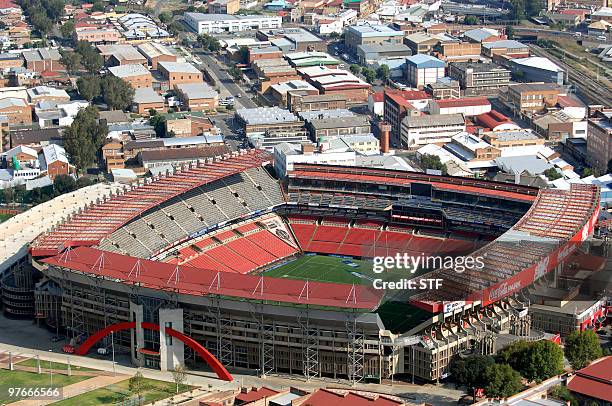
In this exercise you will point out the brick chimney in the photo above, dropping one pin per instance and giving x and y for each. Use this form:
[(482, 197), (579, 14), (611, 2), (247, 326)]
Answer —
[(385, 130)]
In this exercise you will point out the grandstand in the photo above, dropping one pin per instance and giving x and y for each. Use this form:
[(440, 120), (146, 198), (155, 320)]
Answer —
[(220, 251)]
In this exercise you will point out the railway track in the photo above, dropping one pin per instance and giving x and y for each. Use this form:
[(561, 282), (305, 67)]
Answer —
[(593, 91)]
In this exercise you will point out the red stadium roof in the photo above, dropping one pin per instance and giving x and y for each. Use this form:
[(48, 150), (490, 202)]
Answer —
[(363, 175), (95, 223), (200, 282)]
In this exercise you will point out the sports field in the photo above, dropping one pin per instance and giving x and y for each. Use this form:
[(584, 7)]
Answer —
[(321, 268)]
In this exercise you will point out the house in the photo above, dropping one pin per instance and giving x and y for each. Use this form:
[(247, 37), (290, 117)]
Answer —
[(145, 99), (54, 161), (54, 113), (46, 93), (197, 96), (121, 54), (95, 35), (179, 72), (43, 59), (16, 110), (155, 52), (136, 75)]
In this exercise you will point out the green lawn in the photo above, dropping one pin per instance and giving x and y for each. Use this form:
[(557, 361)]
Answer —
[(31, 362), (21, 379), (154, 391), (4, 217)]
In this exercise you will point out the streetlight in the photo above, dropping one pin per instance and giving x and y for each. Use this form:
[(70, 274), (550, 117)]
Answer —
[(113, 351), (51, 369)]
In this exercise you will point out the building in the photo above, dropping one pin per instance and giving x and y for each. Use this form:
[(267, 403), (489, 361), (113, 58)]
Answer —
[(257, 53), (314, 58), (292, 39), (537, 69), (422, 70), (468, 106), (376, 103), (298, 102), (33, 138), (267, 126), (121, 54), (481, 35), (479, 79), (220, 23), (421, 42), (273, 71), (57, 113), (139, 27), (155, 52), (16, 110), (43, 59), (557, 126), (495, 121), (95, 36), (149, 159), (46, 93), (532, 97), (132, 148), (10, 60), (223, 6), (356, 35), (398, 104), (280, 91), (603, 14), (54, 161), (368, 54), (136, 75), (512, 139), (417, 131), (508, 48), (444, 88), (599, 141), (457, 51), (197, 96), (337, 81), (321, 128), (179, 72), (592, 383), (145, 99)]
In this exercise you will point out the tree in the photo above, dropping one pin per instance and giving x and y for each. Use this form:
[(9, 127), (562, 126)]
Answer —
[(235, 73), (355, 69), (552, 174), (383, 73), (429, 161), (165, 17), (562, 393), (179, 376), (582, 347), (97, 6), (159, 124), (368, 74), (84, 137), (471, 371), (510, 32), (91, 59), (244, 54), (536, 361), (471, 20), (64, 184), (67, 29), (71, 61), (517, 9), (610, 166), (137, 384), (117, 93), (89, 87), (502, 381)]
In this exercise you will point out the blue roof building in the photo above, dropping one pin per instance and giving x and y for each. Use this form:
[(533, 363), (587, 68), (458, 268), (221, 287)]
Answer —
[(422, 70)]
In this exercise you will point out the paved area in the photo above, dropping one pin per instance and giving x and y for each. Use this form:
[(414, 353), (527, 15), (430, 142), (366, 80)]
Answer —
[(25, 339)]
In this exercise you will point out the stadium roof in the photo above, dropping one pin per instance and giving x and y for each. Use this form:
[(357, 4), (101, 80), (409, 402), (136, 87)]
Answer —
[(201, 282), (103, 218)]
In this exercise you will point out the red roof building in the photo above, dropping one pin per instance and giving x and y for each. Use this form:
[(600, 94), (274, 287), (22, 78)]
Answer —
[(250, 395), (468, 106), (595, 381), (495, 121), (326, 397)]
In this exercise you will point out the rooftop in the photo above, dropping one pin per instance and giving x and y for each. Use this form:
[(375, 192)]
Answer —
[(126, 71), (423, 61), (147, 95), (463, 102), (375, 30), (433, 120), (266, 115), (339, 122), (182, 67), (197, 90), (225, 17), (507, 43), (479, 66), (538, 62)]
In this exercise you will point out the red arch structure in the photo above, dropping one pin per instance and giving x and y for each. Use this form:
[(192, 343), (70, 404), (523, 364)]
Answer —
[(210, 359)]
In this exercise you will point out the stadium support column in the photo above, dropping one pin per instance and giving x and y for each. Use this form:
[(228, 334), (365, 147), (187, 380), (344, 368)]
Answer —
[(137, 334), (355, 351), (171, 351), (310, 337), (266, 329), (223, 350)]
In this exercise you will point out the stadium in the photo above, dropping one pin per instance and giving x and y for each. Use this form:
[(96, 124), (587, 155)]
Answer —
[(275, 276)]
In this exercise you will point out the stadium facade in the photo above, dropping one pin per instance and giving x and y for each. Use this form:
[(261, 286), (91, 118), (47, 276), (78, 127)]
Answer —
[(184, 252)]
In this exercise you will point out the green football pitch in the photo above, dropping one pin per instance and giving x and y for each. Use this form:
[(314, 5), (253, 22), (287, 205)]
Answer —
[(321, 268)]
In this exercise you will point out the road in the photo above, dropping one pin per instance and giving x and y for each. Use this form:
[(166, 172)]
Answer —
[(213, 66), (23, 338)]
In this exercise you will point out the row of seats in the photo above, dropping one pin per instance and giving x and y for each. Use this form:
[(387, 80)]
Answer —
[(223, 200)]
